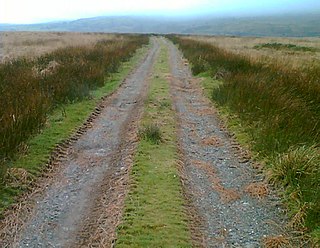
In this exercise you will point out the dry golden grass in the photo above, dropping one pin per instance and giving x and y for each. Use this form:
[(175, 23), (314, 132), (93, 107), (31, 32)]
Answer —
[(258, 190), (17, 177), (33, 44), (211, 141), (276, 242), (298, 220), (245, 45)]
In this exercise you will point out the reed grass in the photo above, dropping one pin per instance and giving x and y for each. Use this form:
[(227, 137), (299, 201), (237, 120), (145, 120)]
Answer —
[(279, 106)]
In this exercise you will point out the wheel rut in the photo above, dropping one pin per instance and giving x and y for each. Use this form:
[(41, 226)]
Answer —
[(234, 204), (81, 205)]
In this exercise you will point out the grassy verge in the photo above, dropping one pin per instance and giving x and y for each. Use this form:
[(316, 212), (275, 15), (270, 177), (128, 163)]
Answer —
[(295, 172), (60, 125), (30, 89), (230, 118), (274, 110), (154, 215)]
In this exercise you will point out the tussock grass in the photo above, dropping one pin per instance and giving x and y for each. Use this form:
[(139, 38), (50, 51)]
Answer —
[(298, 170), (276, 242), (278, 110), (154, 215), (151, 132)]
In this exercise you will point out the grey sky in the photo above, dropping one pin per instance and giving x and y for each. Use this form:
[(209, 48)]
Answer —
[(31, 11)]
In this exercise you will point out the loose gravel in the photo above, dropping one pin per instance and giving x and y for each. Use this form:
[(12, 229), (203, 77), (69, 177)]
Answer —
[(232, 200), (82, 204)]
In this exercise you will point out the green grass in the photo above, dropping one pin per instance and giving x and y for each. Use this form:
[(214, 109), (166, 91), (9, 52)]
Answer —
[(292, 47), (154, 213), (232, 121), (151, 132), (274, 110), (296, 172), (31, 88), (60, 125)]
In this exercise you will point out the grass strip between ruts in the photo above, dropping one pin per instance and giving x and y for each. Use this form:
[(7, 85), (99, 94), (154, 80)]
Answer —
[(154, 209)]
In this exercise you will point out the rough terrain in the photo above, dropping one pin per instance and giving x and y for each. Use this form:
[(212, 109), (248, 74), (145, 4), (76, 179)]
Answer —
[(81, 204), (231, 199)]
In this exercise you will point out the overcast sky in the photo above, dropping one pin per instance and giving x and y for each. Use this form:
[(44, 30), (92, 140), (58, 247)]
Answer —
[(33, 11)]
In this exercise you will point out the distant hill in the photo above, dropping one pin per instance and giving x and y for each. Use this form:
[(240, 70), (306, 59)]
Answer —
[(287, 25)]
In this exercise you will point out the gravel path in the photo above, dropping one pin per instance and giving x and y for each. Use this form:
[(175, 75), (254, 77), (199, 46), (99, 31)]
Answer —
[(82, 204), (229, 195)]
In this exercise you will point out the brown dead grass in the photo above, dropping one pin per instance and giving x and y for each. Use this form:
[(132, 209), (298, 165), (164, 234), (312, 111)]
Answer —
[(205, 166), (229, 195), (226, 195), (245, 45), (17, 177), (258, 190), (298, 220), (275, 242), (34, 44), (206, 111), (211, 141)]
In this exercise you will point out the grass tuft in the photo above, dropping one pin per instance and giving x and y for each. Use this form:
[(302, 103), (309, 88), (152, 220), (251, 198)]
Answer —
[(275, 242), (152, 133), (298, 171)]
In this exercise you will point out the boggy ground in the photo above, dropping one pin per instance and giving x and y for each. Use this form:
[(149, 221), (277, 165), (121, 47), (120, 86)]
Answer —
[(231, 198), (81, 205)]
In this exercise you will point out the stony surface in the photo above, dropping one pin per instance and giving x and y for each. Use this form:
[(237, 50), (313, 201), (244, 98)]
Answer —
[(231, 198), (82, 204)]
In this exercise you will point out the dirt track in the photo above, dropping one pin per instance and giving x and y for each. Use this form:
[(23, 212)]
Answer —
[(81, 205), (232, 201)]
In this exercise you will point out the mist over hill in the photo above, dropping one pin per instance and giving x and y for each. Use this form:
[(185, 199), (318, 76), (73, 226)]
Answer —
[(295, 25)]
